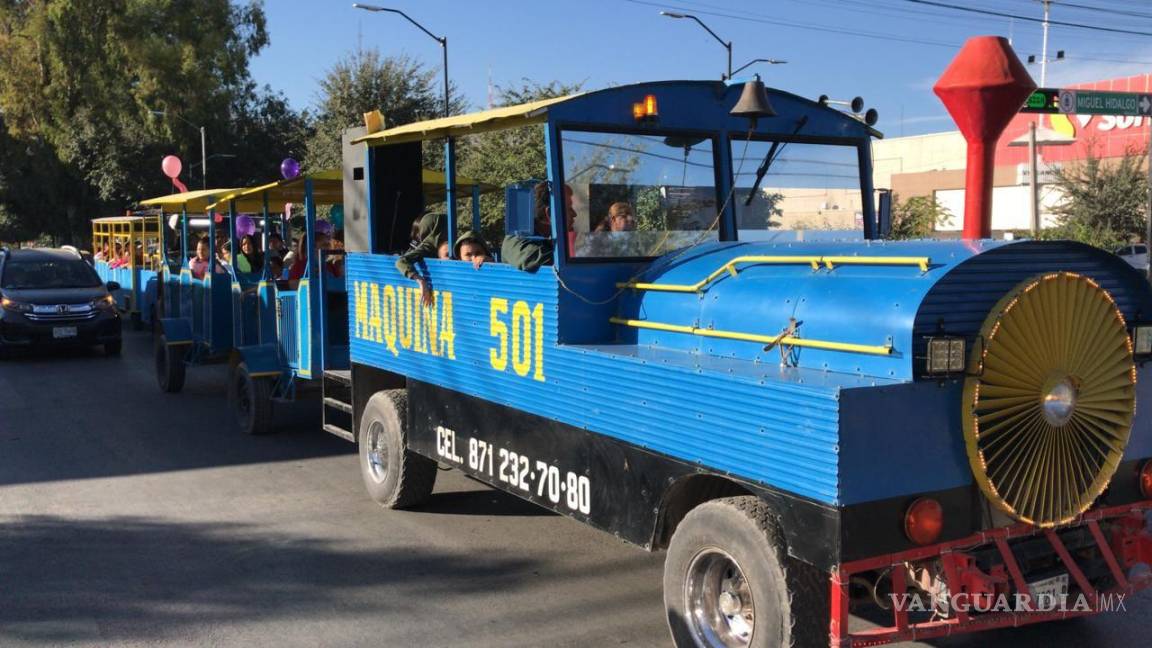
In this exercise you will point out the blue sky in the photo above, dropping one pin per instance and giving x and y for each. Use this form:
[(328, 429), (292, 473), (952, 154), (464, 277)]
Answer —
[(604, 42)]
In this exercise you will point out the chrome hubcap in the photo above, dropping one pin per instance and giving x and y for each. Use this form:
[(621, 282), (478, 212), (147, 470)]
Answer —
[(720, 607), (377, 452), (1059, 401)]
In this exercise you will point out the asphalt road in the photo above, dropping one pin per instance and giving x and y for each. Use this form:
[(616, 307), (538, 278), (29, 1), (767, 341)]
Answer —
[(130, 517)]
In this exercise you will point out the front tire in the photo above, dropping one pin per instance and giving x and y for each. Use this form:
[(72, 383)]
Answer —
[(169, 366), (394, 476), (251, 401), (729, 582), (113, 349)]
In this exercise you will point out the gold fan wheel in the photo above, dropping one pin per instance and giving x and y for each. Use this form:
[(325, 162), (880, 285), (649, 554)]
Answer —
[(1048, 411)]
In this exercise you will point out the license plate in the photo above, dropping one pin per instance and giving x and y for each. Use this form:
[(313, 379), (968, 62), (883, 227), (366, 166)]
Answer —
[(1055, 587), (59, 332)]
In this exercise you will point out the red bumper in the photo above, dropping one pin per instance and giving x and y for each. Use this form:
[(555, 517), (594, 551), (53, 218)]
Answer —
[(999, 596)]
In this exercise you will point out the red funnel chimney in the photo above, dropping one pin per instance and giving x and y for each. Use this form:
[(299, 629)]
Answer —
[(983, 88)]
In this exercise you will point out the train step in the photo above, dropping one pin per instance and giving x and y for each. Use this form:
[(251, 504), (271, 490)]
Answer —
[(338, 404), (341, 376), (339, 431)]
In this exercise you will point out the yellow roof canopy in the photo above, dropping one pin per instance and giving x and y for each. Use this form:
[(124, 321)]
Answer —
[(533, 112), (193, 201), (327, 189)]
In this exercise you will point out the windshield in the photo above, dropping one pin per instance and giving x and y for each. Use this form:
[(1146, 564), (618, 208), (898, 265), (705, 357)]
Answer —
[(48, 273), (638, 195), (805, 186)]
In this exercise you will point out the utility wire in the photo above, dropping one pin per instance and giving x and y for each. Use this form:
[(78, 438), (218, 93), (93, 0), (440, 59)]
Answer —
[(846, 32), (1118, 12), (989, 12)]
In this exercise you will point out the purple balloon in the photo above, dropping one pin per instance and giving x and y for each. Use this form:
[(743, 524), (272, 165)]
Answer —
[(324, 227), (289, 168), (245, 226)]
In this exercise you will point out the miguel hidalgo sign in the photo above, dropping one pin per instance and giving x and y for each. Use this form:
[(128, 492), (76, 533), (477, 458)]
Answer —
[(1088, 102)]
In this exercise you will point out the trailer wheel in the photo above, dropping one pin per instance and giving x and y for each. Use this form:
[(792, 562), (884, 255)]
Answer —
[(251, 401), (728, 581), (394, 476), (169, 366)]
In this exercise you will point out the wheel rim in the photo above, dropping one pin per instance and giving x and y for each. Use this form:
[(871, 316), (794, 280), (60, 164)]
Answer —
[(243, 399), (719, 602), (162, 364), (377, 452)]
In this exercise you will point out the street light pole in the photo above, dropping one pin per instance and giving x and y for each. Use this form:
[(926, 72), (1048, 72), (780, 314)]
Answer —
[(203, 147), (727, 44), (443, 40)]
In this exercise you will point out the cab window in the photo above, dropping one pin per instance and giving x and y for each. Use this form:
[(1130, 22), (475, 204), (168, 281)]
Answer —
[(795, 186), (638, 195)]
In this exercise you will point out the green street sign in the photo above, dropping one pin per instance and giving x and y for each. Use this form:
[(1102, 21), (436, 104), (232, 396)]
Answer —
[(1094, 102), (1043, 100), (1088, 102)]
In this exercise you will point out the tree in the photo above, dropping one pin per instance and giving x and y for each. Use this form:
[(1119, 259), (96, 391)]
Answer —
[(79, 80), (511, 155), (1103, 201), (402, 88), (917, 217)]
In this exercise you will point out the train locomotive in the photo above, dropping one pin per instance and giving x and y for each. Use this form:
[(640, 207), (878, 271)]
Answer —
[(813, 429)]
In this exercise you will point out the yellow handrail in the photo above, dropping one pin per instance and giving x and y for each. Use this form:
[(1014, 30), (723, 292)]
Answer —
[(815, 261), (782, 338)]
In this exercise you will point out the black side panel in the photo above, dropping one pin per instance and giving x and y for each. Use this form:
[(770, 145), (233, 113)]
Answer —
[(397, 194), (619, 488)]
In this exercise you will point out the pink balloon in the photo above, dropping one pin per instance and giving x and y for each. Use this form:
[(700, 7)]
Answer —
[(171, 166)]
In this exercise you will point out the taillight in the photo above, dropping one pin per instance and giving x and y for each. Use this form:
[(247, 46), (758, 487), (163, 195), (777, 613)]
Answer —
[(1146, 479), (923, 521)]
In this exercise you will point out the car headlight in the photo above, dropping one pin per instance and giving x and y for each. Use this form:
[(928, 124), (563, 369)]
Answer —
[(15, 306), (104, 303)]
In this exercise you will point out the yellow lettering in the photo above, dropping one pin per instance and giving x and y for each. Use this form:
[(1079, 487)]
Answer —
[(373, 294), (390, 319), (538, 315), (447, 333), (498, 355), (362, 326), (521, 338), (404, 317), (417, 324), (431, 315)]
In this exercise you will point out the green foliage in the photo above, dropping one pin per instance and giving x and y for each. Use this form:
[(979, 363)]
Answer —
[(918, 217), (79, 80), (402, 88), (507, 156), (1104, 202)]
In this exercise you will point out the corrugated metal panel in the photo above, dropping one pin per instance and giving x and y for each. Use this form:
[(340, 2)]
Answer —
[(741, 418)]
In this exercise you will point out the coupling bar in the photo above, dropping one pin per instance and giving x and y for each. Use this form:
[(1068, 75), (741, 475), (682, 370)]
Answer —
[(829, 262), (784, 339)]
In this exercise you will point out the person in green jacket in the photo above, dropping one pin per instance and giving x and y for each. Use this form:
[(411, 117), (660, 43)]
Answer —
[(531, 254), (428, 232)]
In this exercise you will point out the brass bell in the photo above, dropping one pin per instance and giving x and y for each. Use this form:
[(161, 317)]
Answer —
[(753, 102)]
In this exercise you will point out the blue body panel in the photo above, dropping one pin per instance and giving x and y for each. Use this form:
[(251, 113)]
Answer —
[(840, 428)]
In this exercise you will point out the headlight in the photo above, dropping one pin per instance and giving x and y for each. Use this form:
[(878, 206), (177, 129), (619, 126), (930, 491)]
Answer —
[(15, 306), (1142, 340), (104, 303), (945, 356)]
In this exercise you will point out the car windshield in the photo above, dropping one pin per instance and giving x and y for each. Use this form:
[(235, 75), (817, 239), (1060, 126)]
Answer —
[(48, 273)]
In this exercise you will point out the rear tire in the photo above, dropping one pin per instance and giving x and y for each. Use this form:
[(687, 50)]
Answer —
[(394, 476), (113, 349), (728, 581), (251, 401), (169, 366)]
